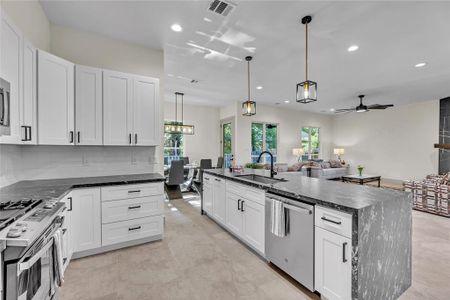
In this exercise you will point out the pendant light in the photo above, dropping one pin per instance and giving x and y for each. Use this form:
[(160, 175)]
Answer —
[(178, 127), (249, 106), (306, 90)]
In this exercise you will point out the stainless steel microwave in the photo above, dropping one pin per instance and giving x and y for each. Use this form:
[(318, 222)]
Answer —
[(5, 127)]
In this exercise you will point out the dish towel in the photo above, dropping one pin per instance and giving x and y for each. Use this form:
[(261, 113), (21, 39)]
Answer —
[(58, 268), (278, 221)]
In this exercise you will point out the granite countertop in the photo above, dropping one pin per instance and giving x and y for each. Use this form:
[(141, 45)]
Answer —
[(57, 188), (335, 194)]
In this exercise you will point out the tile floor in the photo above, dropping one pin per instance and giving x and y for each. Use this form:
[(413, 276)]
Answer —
[(199, 260)]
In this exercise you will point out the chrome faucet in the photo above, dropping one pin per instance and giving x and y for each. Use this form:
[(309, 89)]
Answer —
[(272, 172)]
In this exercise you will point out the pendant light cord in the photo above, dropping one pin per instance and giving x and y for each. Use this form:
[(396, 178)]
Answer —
[(176, 108), (182, 108), (306, 56), (248, 77)]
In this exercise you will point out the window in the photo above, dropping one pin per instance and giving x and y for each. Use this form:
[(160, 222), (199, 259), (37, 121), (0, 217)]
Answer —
[(264, 138), (310, 142), (173, 147)]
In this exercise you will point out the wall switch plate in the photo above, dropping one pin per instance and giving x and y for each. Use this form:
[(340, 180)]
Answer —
[(84, 160)]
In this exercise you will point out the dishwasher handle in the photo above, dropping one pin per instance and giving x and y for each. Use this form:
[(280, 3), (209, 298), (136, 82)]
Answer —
[(297, 208)]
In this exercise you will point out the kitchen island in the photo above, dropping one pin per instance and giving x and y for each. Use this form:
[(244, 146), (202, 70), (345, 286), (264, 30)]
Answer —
[(375, 222)]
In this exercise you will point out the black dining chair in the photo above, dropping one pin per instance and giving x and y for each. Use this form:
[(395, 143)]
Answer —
[(220, 162), (185, 159), (176, 177), (198, 182)]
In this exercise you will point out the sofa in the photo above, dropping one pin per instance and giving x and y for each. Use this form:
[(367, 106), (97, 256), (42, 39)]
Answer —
[(332, 169)]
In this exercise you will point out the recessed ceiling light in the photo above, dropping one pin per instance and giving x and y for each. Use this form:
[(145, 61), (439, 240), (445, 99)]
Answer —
[(286, 101), (259, 87), (420, 65), (332, 109), (353, 48), (206, 19), (176, 27)]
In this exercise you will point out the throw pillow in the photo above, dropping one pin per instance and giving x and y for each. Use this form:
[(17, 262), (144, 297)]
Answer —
[(335, 164), (325, 165), (296, 167)]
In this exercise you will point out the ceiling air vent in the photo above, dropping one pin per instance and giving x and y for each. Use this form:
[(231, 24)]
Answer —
[(221, 7)]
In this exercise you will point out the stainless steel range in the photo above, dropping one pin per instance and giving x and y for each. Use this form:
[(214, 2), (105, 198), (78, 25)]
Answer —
[(28, 228)]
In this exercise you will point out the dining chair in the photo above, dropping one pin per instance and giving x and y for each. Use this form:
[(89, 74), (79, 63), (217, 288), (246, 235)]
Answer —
[(185, 159), (176, 177)]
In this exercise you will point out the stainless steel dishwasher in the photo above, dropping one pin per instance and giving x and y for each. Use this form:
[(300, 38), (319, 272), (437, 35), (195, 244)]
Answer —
[(293, 253)]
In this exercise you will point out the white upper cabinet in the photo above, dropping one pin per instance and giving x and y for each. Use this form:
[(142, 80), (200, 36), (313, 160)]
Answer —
[(88, 106), (145, 111), (28, 108), (11, 47), (55, 100), (117, 108)]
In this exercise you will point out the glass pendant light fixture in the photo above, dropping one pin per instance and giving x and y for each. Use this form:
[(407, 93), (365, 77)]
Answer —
[(175, 126), (306, 90), (249, 106)]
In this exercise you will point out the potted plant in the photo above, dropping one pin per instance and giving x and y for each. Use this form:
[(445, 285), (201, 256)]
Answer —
[(360, 169)]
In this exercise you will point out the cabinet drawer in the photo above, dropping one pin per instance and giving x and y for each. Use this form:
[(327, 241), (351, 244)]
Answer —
[(131, 191), (247, 192), (334, 221), (125, 231), (122, 210)]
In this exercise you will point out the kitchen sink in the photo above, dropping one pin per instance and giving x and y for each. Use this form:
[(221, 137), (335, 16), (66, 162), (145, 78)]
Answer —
[(261, 179)]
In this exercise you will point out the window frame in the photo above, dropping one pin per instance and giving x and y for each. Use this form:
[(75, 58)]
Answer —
[(308, 154), (182, 148), (265, 160)]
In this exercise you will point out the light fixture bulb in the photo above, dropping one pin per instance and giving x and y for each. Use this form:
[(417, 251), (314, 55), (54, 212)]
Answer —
[(353, 48), (306, 90), (259, 87), (420, 65), (176, 27)]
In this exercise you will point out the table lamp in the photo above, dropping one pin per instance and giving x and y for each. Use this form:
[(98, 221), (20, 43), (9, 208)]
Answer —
[(339, 152), (298, 152)]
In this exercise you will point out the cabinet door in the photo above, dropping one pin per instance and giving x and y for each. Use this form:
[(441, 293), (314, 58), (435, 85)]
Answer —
[(146, 123), (55, 100), (11, 71), (28, 105), (117, 108), (207, 196), (219, 200), (86, 219), (332, 265), (254, 224), (233, 216), (88, 106)]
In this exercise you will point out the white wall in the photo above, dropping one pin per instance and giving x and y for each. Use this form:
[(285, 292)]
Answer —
[(396, 143), (289, 123), (205, 143), (37, 162), (31, 19)]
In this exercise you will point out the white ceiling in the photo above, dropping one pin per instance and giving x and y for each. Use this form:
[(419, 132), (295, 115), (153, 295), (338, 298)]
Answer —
[(392, 38)]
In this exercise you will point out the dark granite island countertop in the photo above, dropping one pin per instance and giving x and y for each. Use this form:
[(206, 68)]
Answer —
[(381, 227), (57, 188)]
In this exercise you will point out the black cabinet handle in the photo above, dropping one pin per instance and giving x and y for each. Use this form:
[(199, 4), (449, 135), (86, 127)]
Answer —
[(129, 137), (134, 207), (70, 201), (331, 221), (78, 137), (218, 180), (71, 137), (134, 191), (239, 204), (343, 252), (134, 228), (135, 138), (242, 205), (25, 133)]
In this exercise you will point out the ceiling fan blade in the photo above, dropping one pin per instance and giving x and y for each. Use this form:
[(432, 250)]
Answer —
[(380, 106), (344, 110)]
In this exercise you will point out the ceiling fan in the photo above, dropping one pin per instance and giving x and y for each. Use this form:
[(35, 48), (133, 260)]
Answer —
[(363, 108)]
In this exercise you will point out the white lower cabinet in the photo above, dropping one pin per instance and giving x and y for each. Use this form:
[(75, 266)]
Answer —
[(132, 212), (234, 215), (67, 235), (207, 194), (219, 200), (332, 265), (86, 219), (254, 224)]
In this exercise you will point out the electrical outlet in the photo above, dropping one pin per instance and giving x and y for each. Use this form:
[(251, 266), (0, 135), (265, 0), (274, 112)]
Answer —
[(84, 160)]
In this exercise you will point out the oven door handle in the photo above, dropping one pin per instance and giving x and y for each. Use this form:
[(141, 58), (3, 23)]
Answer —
[(31, 261)]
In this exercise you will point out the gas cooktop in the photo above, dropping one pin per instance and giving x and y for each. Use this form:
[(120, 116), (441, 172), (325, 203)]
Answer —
[(10, 211)]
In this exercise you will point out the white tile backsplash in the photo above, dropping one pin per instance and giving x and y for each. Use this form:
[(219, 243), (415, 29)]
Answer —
[(42, 162)]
